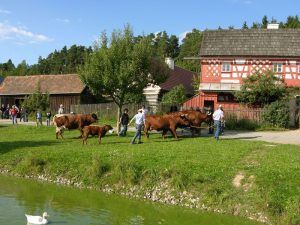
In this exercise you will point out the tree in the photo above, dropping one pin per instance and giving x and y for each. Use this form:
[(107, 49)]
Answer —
[(261, 89), (245, 26), (264, 22), (123, 68), (36, 101), (190, 47), (176, 95)]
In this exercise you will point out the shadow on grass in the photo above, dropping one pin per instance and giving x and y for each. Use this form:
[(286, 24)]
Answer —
[(13, 145)]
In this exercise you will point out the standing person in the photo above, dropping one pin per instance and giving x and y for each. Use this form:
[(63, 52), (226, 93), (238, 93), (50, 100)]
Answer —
[(48, 118), (218, 117), (124, 119), (22, 114), (139, 123), (210, 124), (13, 113), (38, 117), (61, 109), (3, 109)]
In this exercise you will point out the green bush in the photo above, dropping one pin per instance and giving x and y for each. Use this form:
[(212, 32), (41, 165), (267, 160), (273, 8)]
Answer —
[(233, 123), (277, 114)]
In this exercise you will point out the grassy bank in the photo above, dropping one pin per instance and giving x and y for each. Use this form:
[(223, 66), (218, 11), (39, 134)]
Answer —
[(250, 179)]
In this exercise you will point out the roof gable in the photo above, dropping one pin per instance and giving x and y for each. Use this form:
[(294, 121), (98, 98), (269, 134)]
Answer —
[(179, 76), (252, 42), (53, 84)]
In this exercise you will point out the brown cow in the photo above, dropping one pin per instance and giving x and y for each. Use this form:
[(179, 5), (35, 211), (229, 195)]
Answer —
[(164, 123), (95, 130), (72, 121), (195, 118)]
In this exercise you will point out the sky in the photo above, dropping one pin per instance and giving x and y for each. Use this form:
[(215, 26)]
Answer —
[(33, 28)]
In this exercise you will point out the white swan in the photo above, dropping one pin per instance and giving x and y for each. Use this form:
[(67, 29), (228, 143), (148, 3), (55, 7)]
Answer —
[(37, 219)]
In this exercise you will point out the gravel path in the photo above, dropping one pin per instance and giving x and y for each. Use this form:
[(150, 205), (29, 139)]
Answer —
[(282, 137)]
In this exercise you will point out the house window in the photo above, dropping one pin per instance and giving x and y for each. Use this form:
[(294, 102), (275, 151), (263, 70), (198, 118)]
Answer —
[(225, 67), (277, 67), (226, 97)]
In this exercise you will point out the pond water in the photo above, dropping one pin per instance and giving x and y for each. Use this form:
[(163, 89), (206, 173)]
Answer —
[(67, 205)]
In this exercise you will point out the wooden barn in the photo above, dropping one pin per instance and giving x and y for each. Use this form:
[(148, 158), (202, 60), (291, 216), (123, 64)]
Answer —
[(228, 56), (66, 89)]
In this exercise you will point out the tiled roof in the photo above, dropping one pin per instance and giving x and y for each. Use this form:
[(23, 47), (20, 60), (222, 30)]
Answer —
[(252, 42), (179, 76), (53, 84)]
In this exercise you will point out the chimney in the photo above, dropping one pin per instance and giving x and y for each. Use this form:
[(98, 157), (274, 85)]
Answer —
[(273, 26), (170, 62)]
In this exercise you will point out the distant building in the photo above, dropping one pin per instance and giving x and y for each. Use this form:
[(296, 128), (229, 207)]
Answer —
[(66, 89), (228, 56), (178, 76)]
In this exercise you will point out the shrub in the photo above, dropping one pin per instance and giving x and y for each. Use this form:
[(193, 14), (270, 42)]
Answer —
[(233, 123), (277, 114)]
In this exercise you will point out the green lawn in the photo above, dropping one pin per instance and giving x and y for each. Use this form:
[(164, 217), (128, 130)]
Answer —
[(196, 172)]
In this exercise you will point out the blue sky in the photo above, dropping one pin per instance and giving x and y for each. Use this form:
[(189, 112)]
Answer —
[(33, 28)]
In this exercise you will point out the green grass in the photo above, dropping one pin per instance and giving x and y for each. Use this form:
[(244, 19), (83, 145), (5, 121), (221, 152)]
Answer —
[(197, 167)]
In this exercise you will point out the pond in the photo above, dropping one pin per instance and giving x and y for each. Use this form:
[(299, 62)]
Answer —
[(67, 205)]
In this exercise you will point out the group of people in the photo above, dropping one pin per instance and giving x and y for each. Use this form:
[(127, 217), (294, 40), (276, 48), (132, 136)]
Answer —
[(13, 112), (215, 128), (139, 119), (39, 116)]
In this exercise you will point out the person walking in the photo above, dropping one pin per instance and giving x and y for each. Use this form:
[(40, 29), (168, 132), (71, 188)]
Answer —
[(124, 119), (3, 109), (139, 123), (218, 117), (48, 118), (13, 113), (38, 117)]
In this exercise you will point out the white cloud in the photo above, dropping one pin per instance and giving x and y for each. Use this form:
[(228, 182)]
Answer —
[(4, 11), (183, 35), (65, 20), (20, 34)]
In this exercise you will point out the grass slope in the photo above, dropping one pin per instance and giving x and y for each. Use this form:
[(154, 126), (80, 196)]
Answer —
[(194, 172)]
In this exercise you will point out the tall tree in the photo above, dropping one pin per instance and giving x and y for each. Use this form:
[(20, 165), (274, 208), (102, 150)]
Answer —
[(190, 47), (123, 68), (264, 22)]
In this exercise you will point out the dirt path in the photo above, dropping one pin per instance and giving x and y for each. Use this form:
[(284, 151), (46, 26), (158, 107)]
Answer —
[(282, 137)]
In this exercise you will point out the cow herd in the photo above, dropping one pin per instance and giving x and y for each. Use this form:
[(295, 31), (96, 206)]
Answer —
[(167, 122)]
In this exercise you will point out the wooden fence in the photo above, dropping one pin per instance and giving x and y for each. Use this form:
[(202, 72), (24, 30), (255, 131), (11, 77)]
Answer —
[(248, 114), (109, 110)]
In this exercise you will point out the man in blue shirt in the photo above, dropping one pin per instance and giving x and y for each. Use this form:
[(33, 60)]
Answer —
[(139, 123)]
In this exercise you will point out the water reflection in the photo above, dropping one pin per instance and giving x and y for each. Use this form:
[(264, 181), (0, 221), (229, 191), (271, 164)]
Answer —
[(83, 207)]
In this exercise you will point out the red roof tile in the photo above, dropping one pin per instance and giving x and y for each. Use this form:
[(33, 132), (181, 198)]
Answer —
[(179, 76)]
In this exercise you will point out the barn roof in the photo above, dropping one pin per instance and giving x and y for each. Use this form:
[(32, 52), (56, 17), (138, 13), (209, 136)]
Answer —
[(53, 84), (252, 42), (179, 76)]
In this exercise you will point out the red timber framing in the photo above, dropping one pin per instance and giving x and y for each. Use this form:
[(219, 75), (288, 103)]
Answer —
[(228, 56)]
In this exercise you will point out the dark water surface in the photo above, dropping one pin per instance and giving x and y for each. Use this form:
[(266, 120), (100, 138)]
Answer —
[(70, 206)]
